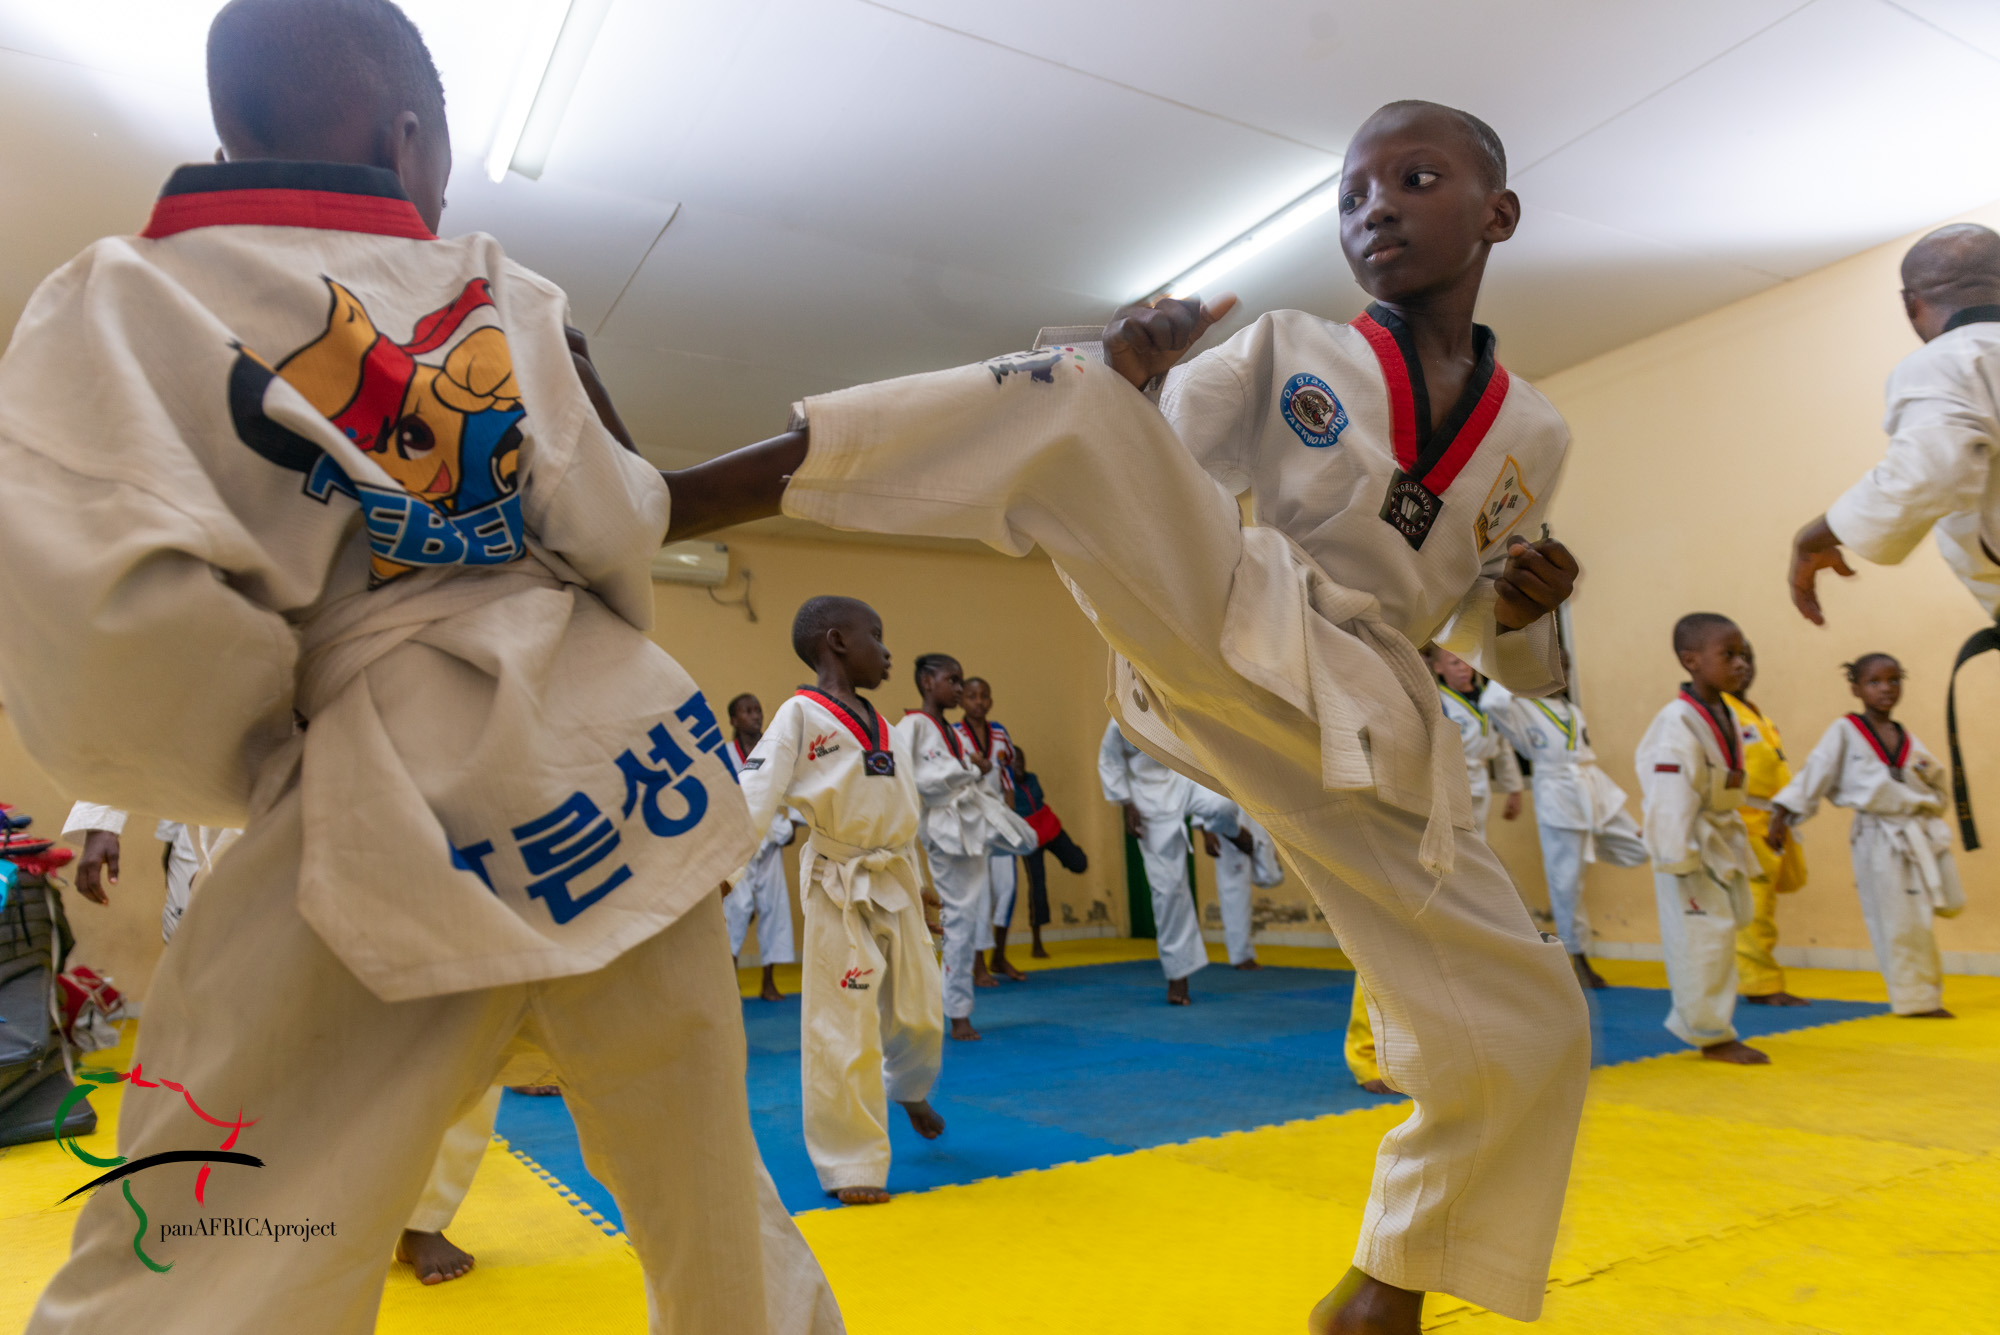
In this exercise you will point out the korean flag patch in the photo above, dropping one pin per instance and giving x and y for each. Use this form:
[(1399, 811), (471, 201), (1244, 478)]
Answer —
[(1313, 410), (1506, 504)]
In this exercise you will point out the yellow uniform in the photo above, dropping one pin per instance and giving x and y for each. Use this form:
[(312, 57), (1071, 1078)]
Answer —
[(1764, 773), (1360, 1044)]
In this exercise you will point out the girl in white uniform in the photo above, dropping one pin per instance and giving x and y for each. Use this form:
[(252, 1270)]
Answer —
[(1243, 861), (1903, 867), (993, 742), (1488, 755), (760, 888), (869, 1010), (964, 824), (1579, 811), (1691, 772)]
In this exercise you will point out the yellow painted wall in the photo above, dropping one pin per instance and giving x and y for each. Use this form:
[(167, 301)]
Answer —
[(1699, 452)]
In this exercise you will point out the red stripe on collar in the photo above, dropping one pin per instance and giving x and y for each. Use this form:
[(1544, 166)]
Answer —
[(320, 209), (1727, 739), (847, 720), (1402, 402), (1875, 743)]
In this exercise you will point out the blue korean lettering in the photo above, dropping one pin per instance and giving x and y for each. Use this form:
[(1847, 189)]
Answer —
[(473, 859), (563, 845), (700, 720), (643, 785)]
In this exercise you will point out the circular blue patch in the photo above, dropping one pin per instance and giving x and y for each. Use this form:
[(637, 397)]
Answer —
[(1313, 410)]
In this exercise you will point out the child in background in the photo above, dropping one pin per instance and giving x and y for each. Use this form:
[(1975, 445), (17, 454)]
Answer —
[(760, 888), (1031, 807), (869, 1029), (1488, 755), (1903, 868), (1760, 980), (1246, 859), (1691, 770), (1579, 810), (992, 741), (963, 822)]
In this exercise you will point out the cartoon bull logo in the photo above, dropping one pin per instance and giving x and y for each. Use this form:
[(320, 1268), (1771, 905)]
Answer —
[(440, 415)]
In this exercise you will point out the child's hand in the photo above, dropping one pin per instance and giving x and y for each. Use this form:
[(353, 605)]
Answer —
[(1135, 825), (1212, 844), (982, 764), (1144, 341), (1536, 580), (1512, 808), (1781, 824)]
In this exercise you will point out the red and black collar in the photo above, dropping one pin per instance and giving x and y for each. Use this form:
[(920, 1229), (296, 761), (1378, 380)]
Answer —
[(949, 731), (1433, 457), (1879, 747), (1727, 736), (331, 196), (853, 722)]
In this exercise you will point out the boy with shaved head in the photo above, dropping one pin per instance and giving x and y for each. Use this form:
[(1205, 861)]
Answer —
[(1400, 477), (321, 535)]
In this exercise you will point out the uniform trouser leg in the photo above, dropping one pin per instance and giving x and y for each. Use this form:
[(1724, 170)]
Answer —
[(870, 1033), (737, 907), (1359, 1046), (1482, 810), (1482, 1020), (774, 910), (1005, 877), (1758, 973), (1232, 894), (458, 1160), (1036, 866), (962, 905), (1562, 868), (183, 862), (1176, 925), (1898, 914), (1699, 917)]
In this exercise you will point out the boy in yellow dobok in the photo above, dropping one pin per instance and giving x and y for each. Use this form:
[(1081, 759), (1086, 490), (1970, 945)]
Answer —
[(1759, 978)]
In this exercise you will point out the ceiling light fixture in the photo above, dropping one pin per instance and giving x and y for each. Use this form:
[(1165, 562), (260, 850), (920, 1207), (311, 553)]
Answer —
[(559, 42), (1314, 203)]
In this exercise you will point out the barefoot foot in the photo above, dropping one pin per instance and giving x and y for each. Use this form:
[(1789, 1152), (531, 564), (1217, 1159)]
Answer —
[(861, 1195), (1586, 975), (1361, 1305), (1737, 1054), (1939, 1014), (924, 1119), (1249, 964), (981, 976), (1040, 952), (770, 991), (1007, 969), (962, 1029), (433, 1256), (1777, 999), (1377, 1086), (1177, 992), (538, 1091)]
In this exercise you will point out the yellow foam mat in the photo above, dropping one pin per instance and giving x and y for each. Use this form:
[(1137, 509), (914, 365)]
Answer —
[(1849, 1187)]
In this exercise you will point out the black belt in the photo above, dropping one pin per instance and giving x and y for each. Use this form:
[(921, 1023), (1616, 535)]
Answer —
[(1981, 642)]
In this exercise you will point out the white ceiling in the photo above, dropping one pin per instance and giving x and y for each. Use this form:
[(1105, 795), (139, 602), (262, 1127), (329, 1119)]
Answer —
[(755, 200)]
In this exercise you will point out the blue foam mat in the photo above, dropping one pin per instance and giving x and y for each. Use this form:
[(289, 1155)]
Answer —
[(1086, 1061)]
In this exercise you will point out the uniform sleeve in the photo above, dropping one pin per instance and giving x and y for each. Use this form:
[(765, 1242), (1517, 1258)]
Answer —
[(1507, 767), (87, 816), (1112, 773), (1525, 661), (767, 772), (1940, 451), (1210, 404), (1817, 777), (1212, 811), (1669, 758)]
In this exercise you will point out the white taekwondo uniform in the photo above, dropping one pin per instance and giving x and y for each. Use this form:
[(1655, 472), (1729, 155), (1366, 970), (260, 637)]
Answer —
[(1166, 802), (870, 987), (964, 824), (287, 456), (1702, 863), (760, 888), (1579, 811), (191, 852), (1236, 872), (1488, 755), (1901, 846), (1278, 663), (1943, 422), (1002, 869)]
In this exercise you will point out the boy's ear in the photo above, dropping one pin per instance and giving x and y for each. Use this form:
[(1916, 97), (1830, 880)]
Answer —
[(1503, 216)]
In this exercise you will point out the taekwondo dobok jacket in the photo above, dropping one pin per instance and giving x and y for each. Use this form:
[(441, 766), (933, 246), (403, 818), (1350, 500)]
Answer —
[(286, 458), (1943, 421), (1571, 792), (964, 812), (1899, 797), (852, 779), (1486, 748), (779, 834), (1691, 817)]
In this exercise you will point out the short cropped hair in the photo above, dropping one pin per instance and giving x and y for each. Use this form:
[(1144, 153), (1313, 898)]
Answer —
[(818, 616), (981, 680), (730, 711), (1697, 628), (286, 72), (1866, 661), (1484, 139), (930, 663)]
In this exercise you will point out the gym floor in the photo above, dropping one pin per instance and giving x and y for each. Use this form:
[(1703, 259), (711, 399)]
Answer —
[(1112, 1165)]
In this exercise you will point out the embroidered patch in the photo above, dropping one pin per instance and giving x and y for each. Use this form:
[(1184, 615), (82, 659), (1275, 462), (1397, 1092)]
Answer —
[(1410, 508), (1666, 769), (822, 745), (754, 762), (1313, 410), (1505, 506), (1039, 366), (851, 980), (878, 764)]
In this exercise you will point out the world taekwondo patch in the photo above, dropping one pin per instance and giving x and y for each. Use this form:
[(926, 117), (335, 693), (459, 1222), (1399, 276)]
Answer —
[(1313, 410)]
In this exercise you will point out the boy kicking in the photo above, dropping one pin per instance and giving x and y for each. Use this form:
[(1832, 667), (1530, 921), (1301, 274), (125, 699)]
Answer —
[(1399, 475), (871, 1002)]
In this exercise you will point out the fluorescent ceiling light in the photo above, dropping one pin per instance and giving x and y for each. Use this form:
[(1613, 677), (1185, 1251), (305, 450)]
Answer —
[(1315, 202), (552, 61)]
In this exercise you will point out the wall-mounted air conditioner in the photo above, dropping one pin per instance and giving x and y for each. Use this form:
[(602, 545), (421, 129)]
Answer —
[(692, 563)]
